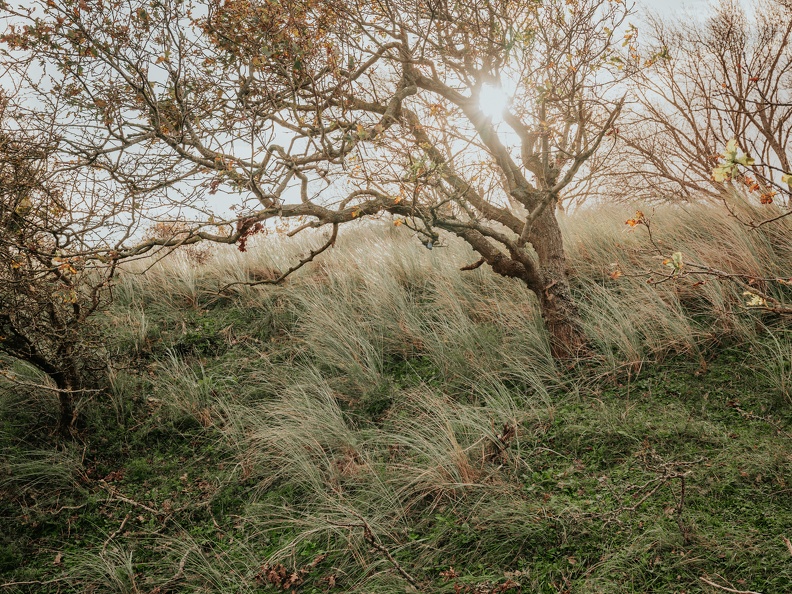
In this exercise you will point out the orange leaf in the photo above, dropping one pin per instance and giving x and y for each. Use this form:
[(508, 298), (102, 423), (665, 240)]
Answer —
[(639, 219)]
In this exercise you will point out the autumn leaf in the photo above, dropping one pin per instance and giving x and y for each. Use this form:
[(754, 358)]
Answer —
[(436, 109), (750, 183), (638, 219), (767, 197), (731, 150), (449, 574)]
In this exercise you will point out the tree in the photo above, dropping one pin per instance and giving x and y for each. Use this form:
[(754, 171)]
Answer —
[(725, 78), (466, 117), (49, 289)]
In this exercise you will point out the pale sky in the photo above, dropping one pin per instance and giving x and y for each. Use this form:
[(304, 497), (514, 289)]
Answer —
[(674, 5), (689, 7)]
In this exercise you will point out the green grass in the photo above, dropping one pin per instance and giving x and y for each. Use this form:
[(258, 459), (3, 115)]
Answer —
[(386, 423)]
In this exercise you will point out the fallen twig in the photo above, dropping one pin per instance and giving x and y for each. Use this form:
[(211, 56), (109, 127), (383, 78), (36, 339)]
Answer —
[(136, 503), (180, 570), (667, 473), (714, 585), (371, 538), (115, 495), (34, 582), (17, 382), (116, 533), (753, 416)]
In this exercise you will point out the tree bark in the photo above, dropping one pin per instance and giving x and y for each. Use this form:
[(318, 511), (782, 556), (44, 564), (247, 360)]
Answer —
[(66, 416), (559, 311), (67, 382), (546, 276)]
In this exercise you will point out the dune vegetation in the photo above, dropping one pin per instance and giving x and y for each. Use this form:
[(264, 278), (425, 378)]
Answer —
[(384, 422), (341, 296)]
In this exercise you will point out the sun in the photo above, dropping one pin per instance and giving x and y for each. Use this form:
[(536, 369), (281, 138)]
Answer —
[(493, 101)]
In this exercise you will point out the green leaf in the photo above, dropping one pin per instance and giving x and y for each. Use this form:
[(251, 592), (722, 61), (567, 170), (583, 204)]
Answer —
[(728, 169), (724, 173), (745, 160), (675, 262), (731, 150)]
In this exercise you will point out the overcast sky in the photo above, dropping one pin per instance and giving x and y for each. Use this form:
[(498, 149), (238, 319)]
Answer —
[(674, 5), (689, 7), (692, 8)]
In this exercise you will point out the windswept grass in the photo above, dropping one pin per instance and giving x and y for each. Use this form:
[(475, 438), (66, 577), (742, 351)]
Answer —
[(384, 422)]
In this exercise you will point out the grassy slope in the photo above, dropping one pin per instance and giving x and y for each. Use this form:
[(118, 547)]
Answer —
[(386, 423)]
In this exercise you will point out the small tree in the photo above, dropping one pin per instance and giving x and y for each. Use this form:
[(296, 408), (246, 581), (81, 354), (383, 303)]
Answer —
[(469, 118), (726, 77), (48, 287)]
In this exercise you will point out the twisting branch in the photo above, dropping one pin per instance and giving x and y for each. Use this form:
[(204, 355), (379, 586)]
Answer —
[(387, 105), (309, 258), (478, 263)]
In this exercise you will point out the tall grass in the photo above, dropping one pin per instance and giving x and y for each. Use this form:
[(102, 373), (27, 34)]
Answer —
[(387, 391), (773, 357), (380, 296)]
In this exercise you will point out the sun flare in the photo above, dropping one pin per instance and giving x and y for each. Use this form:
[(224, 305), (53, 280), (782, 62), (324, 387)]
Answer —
[(493, 101)]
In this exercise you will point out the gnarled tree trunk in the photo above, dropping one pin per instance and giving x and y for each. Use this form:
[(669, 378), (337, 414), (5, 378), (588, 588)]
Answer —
[(546, 275), (560, 313)]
